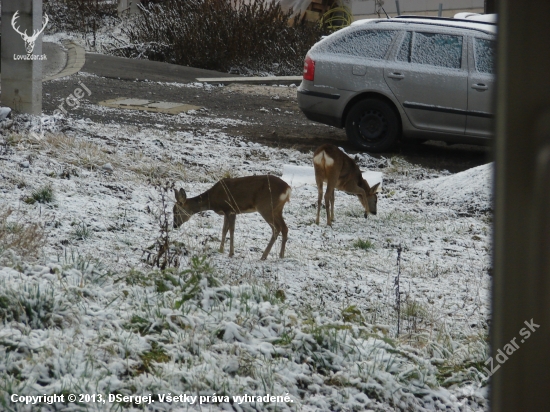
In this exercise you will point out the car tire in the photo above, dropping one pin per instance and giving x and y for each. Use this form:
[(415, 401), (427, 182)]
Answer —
[(373, 126)]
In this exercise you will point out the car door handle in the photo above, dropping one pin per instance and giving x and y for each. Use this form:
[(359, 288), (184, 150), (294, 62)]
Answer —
[(480, 86), (396, 75)]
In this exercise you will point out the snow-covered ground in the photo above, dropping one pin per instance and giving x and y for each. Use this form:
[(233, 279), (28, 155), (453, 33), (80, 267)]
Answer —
[(90, 316)]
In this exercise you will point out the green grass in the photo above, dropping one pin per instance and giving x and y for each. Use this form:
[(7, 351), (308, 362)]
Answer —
[(43, 195), (81, 231), (364, 244), (155, 355)]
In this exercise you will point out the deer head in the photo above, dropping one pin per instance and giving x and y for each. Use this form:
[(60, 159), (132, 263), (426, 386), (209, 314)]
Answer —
[(181, 212), (29, 40), (371, 200)]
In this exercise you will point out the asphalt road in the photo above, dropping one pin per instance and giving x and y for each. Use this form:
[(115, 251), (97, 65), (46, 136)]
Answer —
[(271, 119)]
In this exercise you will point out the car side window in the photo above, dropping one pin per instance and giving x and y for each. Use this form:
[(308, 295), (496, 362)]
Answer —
[(372, 44), (484, 55), (404, 54), (433, 49)]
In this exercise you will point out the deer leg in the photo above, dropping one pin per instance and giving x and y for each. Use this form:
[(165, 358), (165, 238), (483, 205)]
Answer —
[(332, 206), (328, 198), (274, 219), (231, 217), (224, 231), (319, 199), (284, 231), (271, 241), (332, 182)]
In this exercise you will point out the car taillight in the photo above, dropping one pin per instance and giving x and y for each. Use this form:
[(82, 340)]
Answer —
[(309, 69)]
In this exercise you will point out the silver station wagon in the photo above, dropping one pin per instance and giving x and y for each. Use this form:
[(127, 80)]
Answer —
[(412, 77)]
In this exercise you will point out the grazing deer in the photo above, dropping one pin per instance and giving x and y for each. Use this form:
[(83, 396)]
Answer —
[(339, 171), (266, 195)]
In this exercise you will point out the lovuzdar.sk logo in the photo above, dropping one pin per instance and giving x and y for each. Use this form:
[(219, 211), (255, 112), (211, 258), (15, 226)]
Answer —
[(29, 40)]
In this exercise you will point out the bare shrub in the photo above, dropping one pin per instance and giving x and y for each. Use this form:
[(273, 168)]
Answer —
[(226, 35), (25, 239), (165, 252), (86, 17)]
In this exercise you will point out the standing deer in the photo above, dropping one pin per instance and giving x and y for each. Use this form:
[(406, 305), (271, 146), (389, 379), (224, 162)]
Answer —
[(266, 195), (339, 171)]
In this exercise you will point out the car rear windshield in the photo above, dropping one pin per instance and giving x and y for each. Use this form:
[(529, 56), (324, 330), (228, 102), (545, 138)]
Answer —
[(433, 49), (372, 44)]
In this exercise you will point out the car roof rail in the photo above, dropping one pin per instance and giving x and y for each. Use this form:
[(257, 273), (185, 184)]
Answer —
[(435, 23), (450, 19)]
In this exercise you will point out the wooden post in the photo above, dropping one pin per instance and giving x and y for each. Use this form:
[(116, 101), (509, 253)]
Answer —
[(490, 6), (521, 288)]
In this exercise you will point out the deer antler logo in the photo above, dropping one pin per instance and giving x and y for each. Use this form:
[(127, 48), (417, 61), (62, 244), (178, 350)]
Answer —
[(29, 40)]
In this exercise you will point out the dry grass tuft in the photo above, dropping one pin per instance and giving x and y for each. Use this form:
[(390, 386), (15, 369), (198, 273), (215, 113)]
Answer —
[(25, 239)]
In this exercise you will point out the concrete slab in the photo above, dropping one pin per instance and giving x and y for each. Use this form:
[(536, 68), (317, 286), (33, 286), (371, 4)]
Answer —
[(163, 105), (148, 105), (133, 102)]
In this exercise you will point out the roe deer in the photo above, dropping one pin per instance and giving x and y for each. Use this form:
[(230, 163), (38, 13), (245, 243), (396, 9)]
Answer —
[(266, 195), (339, 171)]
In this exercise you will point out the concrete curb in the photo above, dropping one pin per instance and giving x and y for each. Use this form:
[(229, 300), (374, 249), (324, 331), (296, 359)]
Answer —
[(272, 80), (76, 57)]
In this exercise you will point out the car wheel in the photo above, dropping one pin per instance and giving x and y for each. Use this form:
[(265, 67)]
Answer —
[(372, 125)]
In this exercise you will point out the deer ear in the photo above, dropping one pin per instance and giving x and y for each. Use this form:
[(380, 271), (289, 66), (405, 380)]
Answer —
[(375, 188), (181, 196)]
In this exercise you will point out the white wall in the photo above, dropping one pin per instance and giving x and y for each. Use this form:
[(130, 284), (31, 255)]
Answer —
[(367, 7)]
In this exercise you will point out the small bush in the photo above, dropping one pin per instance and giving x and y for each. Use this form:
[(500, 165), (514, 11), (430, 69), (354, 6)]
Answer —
[(165, 252), (81, 231), (364, 244), (43, 195), (226, 35)]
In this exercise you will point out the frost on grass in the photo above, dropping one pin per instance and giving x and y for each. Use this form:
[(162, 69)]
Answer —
[(73, 327), (467, 192), (319, 324)]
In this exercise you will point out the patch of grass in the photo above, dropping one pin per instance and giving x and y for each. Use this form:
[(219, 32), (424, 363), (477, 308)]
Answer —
[(199, 268), (280, 294), (414, 309), (352, 314), (155, 355), (34, 306), (43, 195), (397, 217), (364, 244), (81, 231), (26, 239), (139, 325)]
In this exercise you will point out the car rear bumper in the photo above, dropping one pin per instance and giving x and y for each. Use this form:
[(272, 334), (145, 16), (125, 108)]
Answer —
[(321, 107)]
